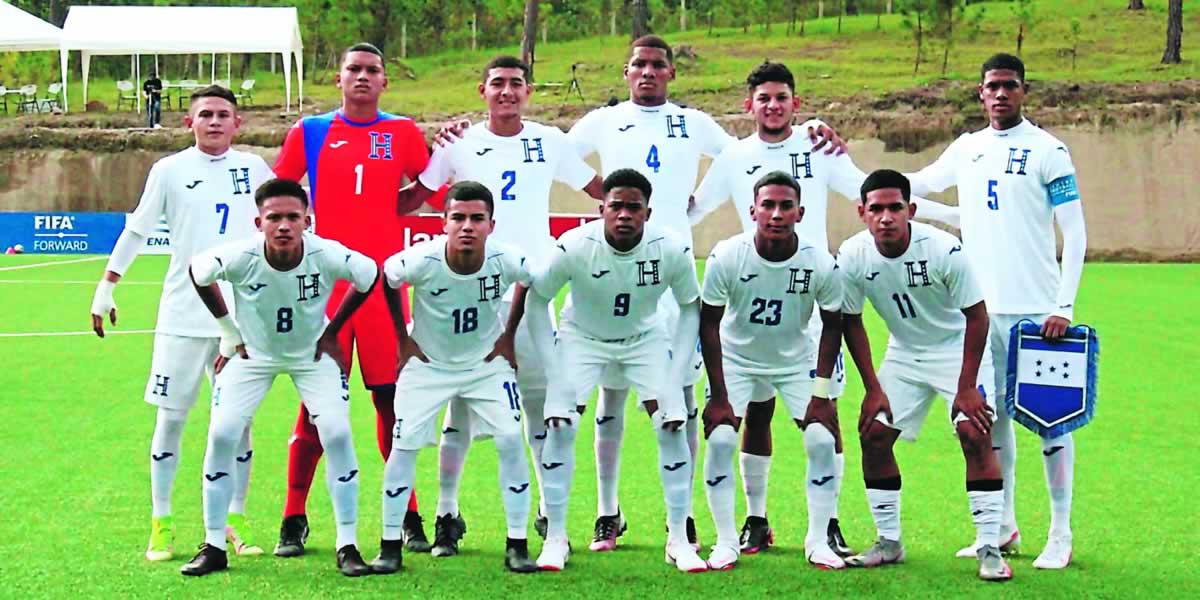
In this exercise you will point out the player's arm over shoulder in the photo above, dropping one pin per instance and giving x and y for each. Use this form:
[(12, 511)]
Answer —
[(292, 162), (350, 265), (407, 265)]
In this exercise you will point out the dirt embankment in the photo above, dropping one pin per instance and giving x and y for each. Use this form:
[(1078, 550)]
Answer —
[(909, 120)]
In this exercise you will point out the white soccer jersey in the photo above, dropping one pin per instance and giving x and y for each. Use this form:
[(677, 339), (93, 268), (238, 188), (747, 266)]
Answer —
[(519, 171), (920, 294), (1008, 185), (664, 143), (615, 294), (207, 200), (734, 173), (282, 314), (456, 318), (768, 305)]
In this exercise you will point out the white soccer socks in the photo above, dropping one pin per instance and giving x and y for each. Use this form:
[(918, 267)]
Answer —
[(839, 470), (242, 466), (755, 473), (164, 457), (1004, 443), (514, 484), (398, 477), (224, 433), (675, 471), (610, 430), (987, 509), (452, 455), (535, 434), (1058, 455), (821, 482), (884, 500), (341, 475), (558, 467), (719, 483)]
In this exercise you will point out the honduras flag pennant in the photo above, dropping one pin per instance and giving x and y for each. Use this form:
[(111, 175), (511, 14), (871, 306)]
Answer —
[(1052, 384)]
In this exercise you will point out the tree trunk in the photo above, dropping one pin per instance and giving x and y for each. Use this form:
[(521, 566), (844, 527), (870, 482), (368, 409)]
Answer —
[(1172, 55), (1136, 5), (404, 39), (683, 15), (529, 37), (889, 6), (792, 18), (475, 29), (612, 22), (820, 9), (851, 7), (803, 17), (920, 36), (1020, 38), (641, 18)]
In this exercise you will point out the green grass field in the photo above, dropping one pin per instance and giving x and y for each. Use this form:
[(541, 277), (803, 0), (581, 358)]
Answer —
[(75, 499)]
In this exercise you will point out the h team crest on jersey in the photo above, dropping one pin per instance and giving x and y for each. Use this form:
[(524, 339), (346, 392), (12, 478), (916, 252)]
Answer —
[(806, 164), (648, 272), (241, 181), (533, 146), (799, 284), (1014, 161), (381, 145), (676, 123), (489, 291), (918, 270), (313, 285), (1051, 386)]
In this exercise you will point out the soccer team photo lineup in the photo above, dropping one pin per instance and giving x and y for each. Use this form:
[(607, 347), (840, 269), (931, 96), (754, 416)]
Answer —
[(559, 339)]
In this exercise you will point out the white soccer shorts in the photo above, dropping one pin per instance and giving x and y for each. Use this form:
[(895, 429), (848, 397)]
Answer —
[(176, 368), (743, 388), (531, 373), (489, 393), (244, 382), (640, 361), (911, 384), (837, 381)]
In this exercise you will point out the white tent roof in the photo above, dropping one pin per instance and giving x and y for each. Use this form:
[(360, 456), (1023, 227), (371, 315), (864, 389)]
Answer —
[(20, 30), (181, 29)]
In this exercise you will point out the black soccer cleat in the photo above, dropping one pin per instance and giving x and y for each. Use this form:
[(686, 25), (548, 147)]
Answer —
[(351, 563), (541, 524), (390, 559), (516, 557), (692, 538), (448, 529), (756, 535), (608, 529), (210, 559), (414, 533), (292, 535), (836, 542)]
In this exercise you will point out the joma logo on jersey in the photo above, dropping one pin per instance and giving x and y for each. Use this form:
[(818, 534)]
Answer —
[(241, 181), (532, 146), (798, 164), (648, 269), (53, 222), (381, 145), (1017, 162), (489, 291), (676, 123), (799, 283), (918, 270), (309, 283)]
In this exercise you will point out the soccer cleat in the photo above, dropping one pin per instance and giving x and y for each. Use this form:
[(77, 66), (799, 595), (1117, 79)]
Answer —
[(722, 558), (823, 557), (208, 560), (516, 557), (1009, 547), (883, 552), (992, 566), (162, 539), (685, 558), (541, 524), (390, 559), (608, 529), (1056, 554), (414, 533), (292, 535), (351, 563), (836, 541), (757, 535), (447, 531), (555, 554), (236, 533)]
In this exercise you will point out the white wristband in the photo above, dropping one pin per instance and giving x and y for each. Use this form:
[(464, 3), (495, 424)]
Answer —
[(102, 300), (228, 327), (821, 387)]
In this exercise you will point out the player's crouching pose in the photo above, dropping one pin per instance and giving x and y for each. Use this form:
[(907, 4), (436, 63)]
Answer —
[(459, 349), (759, 293), (918, 281), (618, 269), (282, 279)]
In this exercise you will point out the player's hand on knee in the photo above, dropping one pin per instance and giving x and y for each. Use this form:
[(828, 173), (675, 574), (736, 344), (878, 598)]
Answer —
[(823, 411), (506, 348), (103, 305), (222, 359), (825, 137), (875, 402), (969, 402), (328, 344), (718, 412), (451, 132), (1055, 327)]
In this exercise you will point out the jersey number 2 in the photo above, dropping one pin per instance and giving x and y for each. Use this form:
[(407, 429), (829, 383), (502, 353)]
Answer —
[(510, 179)]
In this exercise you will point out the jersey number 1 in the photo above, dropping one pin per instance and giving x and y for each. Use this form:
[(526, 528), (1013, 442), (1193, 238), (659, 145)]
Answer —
[(358, 177)]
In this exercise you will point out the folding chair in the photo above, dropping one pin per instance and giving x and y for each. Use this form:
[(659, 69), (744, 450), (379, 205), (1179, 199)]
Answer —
[(29, 101), (125, 93), (50, 102), (247, 92)]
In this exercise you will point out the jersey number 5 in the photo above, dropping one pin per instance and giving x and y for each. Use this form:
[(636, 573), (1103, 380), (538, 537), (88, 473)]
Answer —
[(993, 199)]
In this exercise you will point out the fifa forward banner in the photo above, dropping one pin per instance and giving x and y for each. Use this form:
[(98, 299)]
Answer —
[(1052, 384)]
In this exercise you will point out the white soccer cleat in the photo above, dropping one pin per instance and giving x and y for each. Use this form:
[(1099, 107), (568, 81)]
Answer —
[(1010, 545), (823, 557), (1056, 554), (992, 566), (722, 558), (884, 552), (554, 556), (685, 558)]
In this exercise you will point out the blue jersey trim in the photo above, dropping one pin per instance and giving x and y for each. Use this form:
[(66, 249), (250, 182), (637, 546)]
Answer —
[(1063, 190), (379, 116), (316, 129)]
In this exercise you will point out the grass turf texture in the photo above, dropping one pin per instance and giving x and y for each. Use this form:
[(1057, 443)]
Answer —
[(76, 491)]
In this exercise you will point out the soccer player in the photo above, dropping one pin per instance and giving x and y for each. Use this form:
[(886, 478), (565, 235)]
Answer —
[(777, 145), (760, 290), (206, 194), (282, 280), (919, 282), (517, 161), (356, 159), (460, 349), (618, 269), (1015, 181)]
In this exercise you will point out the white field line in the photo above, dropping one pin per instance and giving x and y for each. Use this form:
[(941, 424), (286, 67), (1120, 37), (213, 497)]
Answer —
[(77, 282), (66, 333), (52, 263)]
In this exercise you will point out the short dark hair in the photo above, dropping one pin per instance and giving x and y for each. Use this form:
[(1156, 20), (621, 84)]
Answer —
[(1004, 61), (770, 72), (627, 178), (280, 187), (215, 91), (777, 178), (362, 47), (467, 191), (885, 179), (653, 41), (505, 61)]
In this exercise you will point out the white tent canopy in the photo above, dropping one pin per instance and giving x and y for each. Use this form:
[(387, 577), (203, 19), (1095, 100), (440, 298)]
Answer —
[(21, 31), (136, 30)]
